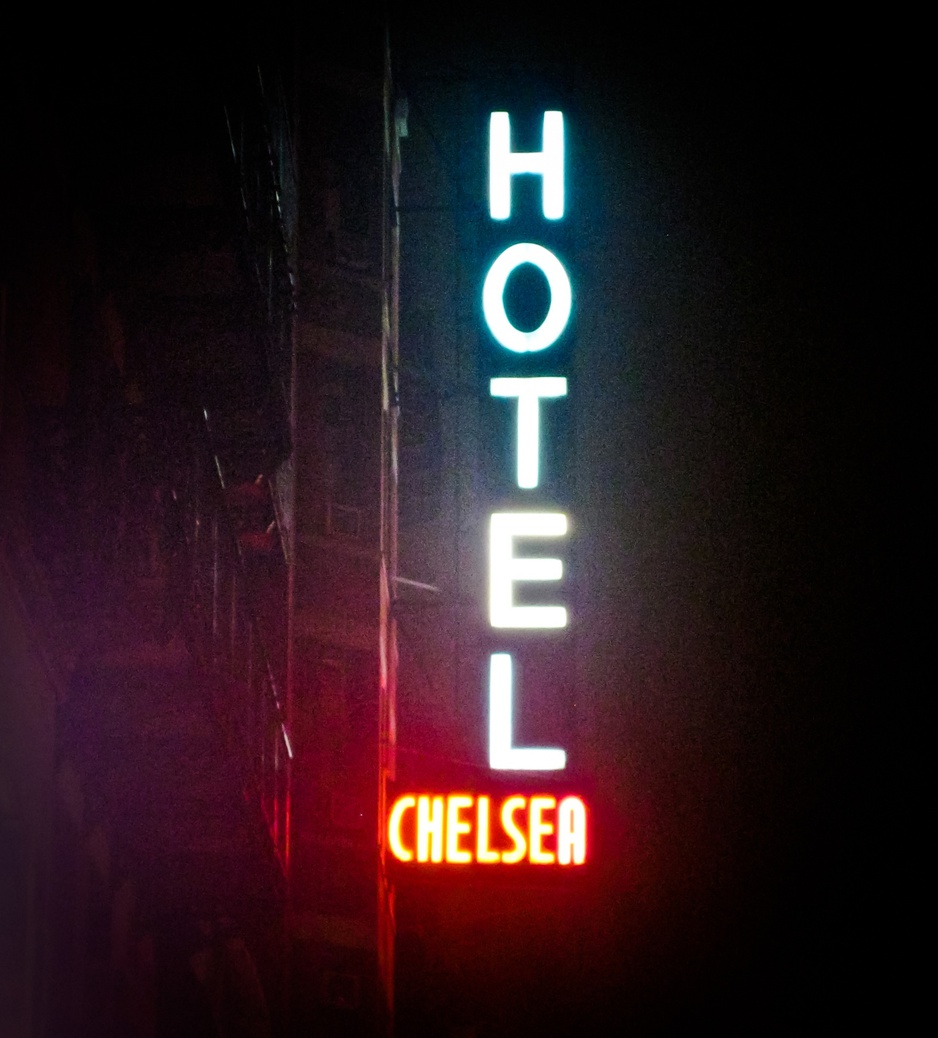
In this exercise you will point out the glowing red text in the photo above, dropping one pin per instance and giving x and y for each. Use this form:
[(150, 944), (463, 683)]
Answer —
[(460, 828)]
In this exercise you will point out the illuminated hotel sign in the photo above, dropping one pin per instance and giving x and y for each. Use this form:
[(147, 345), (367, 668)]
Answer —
[(462, 828), (538, 828)]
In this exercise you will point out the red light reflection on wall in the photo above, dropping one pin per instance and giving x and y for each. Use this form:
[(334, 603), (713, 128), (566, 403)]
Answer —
[(459, 828)]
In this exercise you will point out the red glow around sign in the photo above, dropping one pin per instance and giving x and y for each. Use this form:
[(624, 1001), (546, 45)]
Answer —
[(460, 828)]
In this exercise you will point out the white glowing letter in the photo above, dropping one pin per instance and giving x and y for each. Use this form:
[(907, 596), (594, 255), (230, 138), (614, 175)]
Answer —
[(505, 163), (456, 827), (529, 392), (493, 298), (505, 569), (429, 829), (503, 756), (571, 831), (394, 828)]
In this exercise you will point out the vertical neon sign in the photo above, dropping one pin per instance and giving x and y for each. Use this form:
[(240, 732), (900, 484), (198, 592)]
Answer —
[(506, 569), (513, 827)]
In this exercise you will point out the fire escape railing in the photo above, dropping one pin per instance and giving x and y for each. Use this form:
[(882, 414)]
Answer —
[(264, 164), (231, 638), (227, 637)]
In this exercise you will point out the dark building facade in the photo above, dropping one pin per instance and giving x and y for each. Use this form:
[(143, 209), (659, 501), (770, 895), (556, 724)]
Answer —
[(199, 407)]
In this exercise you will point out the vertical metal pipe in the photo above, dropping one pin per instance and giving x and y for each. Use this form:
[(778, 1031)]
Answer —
[(233, 626), (252, 694), (216, 585)]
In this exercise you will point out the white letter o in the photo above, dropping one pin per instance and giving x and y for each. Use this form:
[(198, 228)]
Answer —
[(493, 299)]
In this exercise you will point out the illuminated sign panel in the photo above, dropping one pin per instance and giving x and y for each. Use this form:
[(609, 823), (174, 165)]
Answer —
[(460, 828), (524, 543), (507, 567)]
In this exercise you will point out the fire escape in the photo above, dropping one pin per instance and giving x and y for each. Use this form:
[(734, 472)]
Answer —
[(198, 543), (147, 343)]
